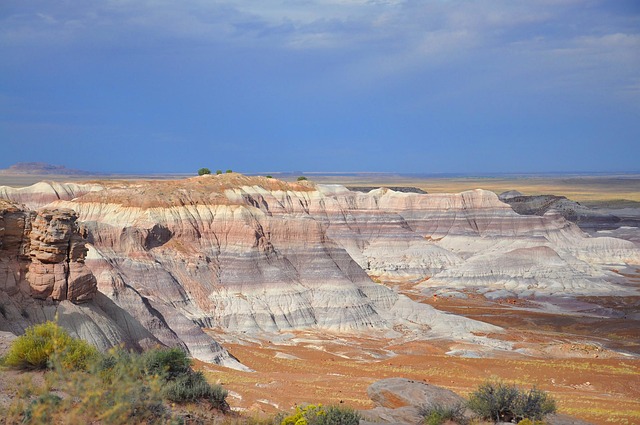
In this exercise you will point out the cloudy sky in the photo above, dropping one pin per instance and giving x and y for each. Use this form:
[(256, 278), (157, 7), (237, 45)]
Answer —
[(422, 86)]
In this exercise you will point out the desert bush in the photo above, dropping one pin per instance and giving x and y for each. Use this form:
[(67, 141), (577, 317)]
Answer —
[(193, 386), (203, 171), (437, 414), (229, 171), (181, 383), (269, 176), (501, 402), (41, 343), (316, 414), (534, 404), (335, 415), (218, 171), (168, 363), (302, 178)]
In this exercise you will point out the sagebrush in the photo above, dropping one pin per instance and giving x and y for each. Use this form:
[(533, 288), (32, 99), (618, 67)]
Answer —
[(437, 414), (502, 402)]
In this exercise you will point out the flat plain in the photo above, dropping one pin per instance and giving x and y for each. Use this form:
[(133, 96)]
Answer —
[(603, 187)]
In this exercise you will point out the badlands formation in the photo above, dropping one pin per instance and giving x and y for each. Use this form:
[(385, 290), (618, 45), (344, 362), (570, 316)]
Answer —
[(242, 259), (252, 255)]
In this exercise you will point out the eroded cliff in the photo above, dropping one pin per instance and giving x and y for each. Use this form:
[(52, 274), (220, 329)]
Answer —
[(252, 256)]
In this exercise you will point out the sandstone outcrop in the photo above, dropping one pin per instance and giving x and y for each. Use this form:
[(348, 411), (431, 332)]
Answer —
[(57, 251), (43, 276)]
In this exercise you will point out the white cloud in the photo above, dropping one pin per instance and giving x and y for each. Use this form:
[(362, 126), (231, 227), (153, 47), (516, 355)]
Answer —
[(384, 37)]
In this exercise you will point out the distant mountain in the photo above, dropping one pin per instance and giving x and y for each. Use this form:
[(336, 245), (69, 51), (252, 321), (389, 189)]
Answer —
[(42, 168)]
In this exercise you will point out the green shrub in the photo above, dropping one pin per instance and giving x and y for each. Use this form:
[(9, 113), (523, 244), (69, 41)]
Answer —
[(119, 364), (229, 171), (501, 402), (437, 414), (168, 363), (335, 415), (203, 171), (302, 178), (269, 176), (218, 171), (115, 391), (534, 404), (42, 343), (193, 386), (313, 414)]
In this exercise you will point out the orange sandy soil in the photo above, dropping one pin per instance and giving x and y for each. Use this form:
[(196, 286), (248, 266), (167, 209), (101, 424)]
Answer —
[(589, 381)]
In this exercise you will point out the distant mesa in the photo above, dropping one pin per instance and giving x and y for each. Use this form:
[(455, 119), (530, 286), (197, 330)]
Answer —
[(42, 168)]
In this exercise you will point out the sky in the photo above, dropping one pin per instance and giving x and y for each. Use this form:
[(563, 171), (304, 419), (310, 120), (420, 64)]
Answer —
[(409, 86)]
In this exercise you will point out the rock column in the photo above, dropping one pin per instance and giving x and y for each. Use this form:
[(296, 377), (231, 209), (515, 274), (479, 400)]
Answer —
[(57, 270)]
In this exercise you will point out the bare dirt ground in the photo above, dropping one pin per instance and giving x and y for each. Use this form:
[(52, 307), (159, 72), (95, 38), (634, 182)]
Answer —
[(590, 365)]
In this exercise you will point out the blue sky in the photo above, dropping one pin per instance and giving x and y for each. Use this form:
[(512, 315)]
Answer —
[(431, 86)]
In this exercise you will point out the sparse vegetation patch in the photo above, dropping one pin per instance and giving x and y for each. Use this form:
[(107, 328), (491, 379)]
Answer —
[(317, 414), (501, 402), (112, 388), (437, 414)]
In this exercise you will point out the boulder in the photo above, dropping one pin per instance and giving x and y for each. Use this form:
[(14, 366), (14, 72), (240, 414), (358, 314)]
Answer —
[(398, 400), (399, 392)]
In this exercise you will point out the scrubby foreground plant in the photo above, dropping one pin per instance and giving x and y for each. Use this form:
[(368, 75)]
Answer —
[(44, 343), (117, 387), (313, 414), (497, 401), (437, 414)]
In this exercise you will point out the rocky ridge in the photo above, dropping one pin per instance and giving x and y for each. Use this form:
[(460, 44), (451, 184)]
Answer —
[(254, 256), (573, 211), (43, 276)]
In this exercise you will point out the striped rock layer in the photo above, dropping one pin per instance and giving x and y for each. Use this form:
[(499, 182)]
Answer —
[(256, 255)]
